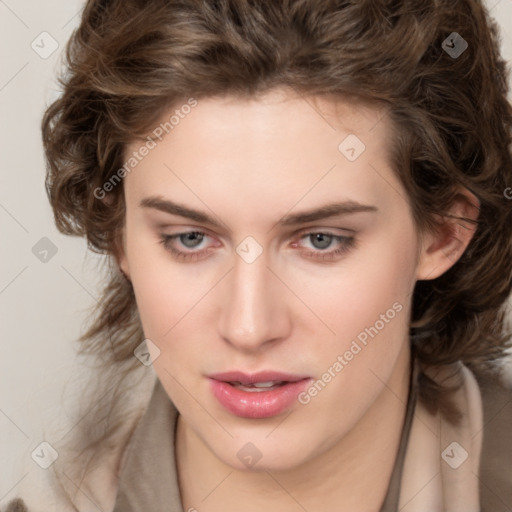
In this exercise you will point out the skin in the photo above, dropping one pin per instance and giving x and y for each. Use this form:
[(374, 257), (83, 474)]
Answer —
[(248, 163)]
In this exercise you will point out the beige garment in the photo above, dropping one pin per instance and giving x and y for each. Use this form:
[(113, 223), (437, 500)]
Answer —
[(431, 472)]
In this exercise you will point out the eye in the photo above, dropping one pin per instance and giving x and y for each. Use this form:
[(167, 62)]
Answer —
[(322, 240), (190, 240), (197, 248)]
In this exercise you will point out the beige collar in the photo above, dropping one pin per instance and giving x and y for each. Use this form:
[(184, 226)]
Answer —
[(440, 472)]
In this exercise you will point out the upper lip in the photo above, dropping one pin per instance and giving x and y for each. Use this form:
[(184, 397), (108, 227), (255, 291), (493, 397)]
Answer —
[(251, 378)]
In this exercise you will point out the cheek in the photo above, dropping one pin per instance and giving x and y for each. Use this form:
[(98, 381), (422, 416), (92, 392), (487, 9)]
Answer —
[(367, 304), (165, 298), (164, 290), (352, 295), (385, 278)]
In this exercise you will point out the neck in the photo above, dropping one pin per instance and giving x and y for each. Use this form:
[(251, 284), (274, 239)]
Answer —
[(355, 471)]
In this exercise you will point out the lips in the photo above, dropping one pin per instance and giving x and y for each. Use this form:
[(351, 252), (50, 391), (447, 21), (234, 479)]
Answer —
[(258, 377), (258, 395)]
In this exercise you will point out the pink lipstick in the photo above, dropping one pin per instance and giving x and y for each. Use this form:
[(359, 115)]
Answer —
[(257, 395)]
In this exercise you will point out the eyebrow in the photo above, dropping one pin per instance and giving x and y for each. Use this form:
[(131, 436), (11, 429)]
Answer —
[(320, 213)]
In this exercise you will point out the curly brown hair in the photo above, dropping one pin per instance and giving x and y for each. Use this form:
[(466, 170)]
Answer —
[(129, 60)]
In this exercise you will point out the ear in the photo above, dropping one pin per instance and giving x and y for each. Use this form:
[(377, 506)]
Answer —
[(441, 249)]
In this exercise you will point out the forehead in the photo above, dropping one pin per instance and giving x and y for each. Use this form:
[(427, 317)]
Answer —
[(279, 112), (277, 149)]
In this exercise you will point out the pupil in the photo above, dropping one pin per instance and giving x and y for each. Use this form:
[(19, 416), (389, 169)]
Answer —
[(321, 240), (191, 240)]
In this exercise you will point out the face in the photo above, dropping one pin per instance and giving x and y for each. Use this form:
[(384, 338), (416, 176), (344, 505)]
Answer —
[(273, 256)]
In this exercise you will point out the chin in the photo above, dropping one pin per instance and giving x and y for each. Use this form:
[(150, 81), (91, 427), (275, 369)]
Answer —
[(283, 463), (257, 453)]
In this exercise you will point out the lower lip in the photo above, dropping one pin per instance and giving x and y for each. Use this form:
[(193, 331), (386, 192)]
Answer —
[(257, 404)]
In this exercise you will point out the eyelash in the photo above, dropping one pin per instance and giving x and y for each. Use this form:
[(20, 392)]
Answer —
[(347, 243)]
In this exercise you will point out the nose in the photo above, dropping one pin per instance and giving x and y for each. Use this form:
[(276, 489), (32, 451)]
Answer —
[(254, 312)]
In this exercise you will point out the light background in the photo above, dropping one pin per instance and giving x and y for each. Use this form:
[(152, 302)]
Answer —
[(43, 305)]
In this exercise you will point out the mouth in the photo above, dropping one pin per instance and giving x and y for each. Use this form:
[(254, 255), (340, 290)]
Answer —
[(258, 395)]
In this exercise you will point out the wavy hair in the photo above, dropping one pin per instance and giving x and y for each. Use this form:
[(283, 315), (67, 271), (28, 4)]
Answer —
[(128, 60)]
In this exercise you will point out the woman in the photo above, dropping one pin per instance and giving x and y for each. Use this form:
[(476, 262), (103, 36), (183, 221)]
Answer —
[(305, 206)]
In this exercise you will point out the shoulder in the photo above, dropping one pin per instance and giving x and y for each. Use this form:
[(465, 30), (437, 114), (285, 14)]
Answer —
[(35, 492), (496, 455), (40, 492), (15, 505)]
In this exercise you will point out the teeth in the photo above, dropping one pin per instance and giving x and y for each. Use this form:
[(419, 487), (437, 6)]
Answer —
[(257, 386), (265, 384)]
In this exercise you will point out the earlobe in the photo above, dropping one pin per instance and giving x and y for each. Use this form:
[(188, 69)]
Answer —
[(442, 249), (120, 257), (123, 267)]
